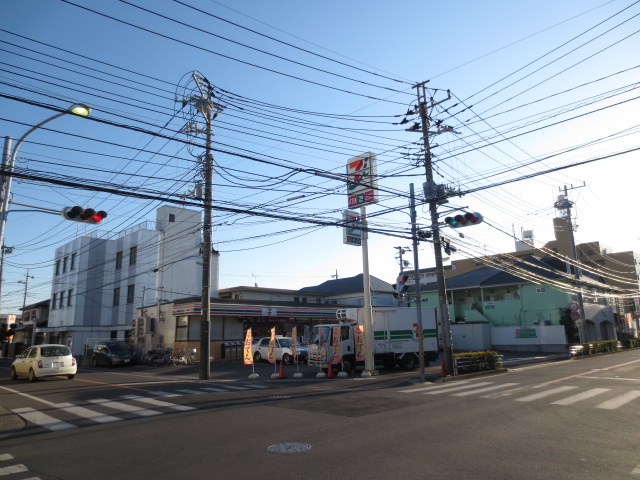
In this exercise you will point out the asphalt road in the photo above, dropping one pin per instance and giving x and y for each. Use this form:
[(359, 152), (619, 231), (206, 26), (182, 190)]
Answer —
[(566, 419)]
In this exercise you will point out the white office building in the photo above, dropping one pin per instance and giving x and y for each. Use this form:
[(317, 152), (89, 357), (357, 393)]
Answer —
[(101, 278)]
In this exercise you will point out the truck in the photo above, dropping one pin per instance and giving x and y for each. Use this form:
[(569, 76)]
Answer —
[(395, 340)]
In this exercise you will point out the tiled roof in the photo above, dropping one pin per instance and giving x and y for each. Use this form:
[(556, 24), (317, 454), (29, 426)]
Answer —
[(348, 285)]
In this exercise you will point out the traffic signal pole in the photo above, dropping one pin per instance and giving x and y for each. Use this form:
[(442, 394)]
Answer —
[(435, 227)]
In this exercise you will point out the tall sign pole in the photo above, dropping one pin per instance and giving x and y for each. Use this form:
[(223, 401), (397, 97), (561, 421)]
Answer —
[(362, 190), (416, 270)]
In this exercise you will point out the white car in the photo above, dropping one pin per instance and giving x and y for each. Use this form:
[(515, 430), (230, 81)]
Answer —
[(282, 350), (46, 360)]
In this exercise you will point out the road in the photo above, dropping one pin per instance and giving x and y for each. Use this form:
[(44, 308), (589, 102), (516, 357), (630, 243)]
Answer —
[(572, 420)]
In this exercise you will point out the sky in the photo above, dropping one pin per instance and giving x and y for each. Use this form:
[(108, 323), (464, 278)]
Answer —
[(543, 96)]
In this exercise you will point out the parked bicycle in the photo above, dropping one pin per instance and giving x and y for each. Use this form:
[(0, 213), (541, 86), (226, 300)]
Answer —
[(159, 356), (189, 357)]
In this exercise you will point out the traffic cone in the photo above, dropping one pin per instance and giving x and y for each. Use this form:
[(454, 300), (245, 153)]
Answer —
[(330, 371), (443, 370), (282, 375)]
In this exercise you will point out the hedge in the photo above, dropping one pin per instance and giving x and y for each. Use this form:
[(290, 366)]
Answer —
[(468, 362)]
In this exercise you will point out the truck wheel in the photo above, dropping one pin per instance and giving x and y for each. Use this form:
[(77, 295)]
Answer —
[(408, 362), (346, 366)]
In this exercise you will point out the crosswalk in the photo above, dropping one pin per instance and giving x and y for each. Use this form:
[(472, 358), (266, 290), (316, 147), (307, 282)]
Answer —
[(602, 398), (106, 410), (9, 468)]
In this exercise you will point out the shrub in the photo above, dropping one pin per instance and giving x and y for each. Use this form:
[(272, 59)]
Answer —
[(469, 362)]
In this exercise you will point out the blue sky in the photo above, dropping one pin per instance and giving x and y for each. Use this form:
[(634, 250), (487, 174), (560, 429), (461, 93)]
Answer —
[(536, 86)]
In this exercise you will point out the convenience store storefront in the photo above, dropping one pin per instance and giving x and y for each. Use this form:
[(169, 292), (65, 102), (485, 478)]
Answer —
[(229, 322)]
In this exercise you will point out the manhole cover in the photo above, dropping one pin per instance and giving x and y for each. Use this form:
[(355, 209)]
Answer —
[(289, 447)]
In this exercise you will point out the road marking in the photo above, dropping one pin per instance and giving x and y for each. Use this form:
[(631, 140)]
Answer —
[(143, 412), (422, 389), (581, 396), (6, 456), (165, 394), (589, 372), (212, 389), (546, 393), (453, 389), (190, 392), (13, 469), (159, 403), (254, 385), (86, 413), (636, 471), (619, 400), (42, 419), (233, 387), (485, 389), (505, 393)]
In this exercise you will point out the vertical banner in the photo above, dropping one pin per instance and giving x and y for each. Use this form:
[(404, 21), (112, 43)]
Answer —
[(248, 358), (337, 346), (271, 353), (322, 348), (294, 343), (307, 335), (359, 343)]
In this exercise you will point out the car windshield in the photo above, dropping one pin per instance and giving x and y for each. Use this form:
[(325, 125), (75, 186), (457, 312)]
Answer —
[(321, 335), (119, 346), (285, 342), (55, 351)]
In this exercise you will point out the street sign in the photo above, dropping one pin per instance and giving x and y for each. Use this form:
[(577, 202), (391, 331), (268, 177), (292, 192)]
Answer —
[(352, 230), (575, 315), (573, 306)]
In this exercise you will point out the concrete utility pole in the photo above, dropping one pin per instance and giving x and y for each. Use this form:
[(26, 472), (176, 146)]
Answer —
[(416, 276), (432, 198), (566, 204), (402, 251), (209, 109)]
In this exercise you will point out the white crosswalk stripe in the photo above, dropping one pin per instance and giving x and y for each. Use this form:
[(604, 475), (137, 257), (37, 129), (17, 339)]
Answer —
[(544, 393), (86, 413), (42, 419), (581, 396), (620, 400), (482, 390), (454, 389), (125, 407), (158, 403)]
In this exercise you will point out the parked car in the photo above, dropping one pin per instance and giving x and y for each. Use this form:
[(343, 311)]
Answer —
[(46, 360), (112, 353), (282, 350)]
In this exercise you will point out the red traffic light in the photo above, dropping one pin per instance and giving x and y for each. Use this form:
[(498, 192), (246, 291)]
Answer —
[(78, 214)]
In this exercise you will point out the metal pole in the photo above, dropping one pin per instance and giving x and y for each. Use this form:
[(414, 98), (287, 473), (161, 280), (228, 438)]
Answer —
[(433, 210), (369, 364), (416, 270)]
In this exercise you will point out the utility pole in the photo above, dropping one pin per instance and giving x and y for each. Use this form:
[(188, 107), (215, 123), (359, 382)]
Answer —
[(24, 305), (402, 251), (432, 198), (4, 250), (566, 204), (416, 276), (209, 109)]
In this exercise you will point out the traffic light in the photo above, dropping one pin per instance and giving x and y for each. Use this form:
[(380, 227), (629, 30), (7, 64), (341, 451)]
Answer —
[(79, 214), (401, 284), (465, 220), (446, 245)]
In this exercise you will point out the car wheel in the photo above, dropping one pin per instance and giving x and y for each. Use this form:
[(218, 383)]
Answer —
[(14, 374), (32, 376), (257, 357), (288, 359), (71, 377)]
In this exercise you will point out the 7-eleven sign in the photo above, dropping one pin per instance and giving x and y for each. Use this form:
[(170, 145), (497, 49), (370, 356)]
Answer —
[(362, 180)]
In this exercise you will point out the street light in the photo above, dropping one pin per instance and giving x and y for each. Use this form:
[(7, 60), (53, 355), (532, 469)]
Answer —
[(9, 160)]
